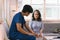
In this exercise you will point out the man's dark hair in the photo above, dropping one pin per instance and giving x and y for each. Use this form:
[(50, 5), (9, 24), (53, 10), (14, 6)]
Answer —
[(27, 8)]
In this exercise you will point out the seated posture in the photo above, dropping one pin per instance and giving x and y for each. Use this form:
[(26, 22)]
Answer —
[(17, 31), (36, 24)]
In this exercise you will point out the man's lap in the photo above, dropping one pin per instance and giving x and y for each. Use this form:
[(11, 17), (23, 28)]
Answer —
[(24, 37), (27, 37)]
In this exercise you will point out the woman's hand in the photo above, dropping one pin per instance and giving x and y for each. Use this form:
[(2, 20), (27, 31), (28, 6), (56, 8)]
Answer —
[(41, 34), (42, 37), (36, 35)]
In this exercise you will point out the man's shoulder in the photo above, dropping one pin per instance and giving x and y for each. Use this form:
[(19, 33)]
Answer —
[(17, 14)]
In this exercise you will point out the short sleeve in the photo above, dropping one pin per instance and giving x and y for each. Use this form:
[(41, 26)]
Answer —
[(17, 19), (42, 25)]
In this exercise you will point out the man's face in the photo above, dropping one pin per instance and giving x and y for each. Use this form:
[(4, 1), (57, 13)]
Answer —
[(27, 13)]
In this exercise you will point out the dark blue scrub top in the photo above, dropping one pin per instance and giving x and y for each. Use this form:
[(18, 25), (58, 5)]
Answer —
[(18, 18)]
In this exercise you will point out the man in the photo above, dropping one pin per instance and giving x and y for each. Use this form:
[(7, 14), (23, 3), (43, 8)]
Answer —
[(16, 30)]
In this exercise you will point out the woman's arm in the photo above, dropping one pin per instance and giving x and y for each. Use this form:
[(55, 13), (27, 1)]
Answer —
[(20, 29), (41, 32)]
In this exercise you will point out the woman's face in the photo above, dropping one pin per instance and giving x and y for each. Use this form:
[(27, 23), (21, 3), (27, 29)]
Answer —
[(36, 15)]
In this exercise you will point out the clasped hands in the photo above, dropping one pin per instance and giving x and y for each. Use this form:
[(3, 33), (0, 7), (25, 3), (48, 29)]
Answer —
[(36, 35)]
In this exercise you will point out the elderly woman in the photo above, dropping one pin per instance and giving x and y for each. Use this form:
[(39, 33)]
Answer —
[(3, 34)]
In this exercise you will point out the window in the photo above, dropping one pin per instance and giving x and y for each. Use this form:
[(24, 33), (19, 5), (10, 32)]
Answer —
[(59, 1), (49, 10), (52, 13), (51, 2), (39, 7), (52, 10), (37, 1), (38, 4)]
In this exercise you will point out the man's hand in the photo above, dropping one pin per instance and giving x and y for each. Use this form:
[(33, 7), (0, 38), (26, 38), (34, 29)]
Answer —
[(31, 34), (37, 35), (40, 36)]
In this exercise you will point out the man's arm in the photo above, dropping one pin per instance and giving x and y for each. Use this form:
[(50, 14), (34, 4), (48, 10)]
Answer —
[(20, 29), (36, 35)]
